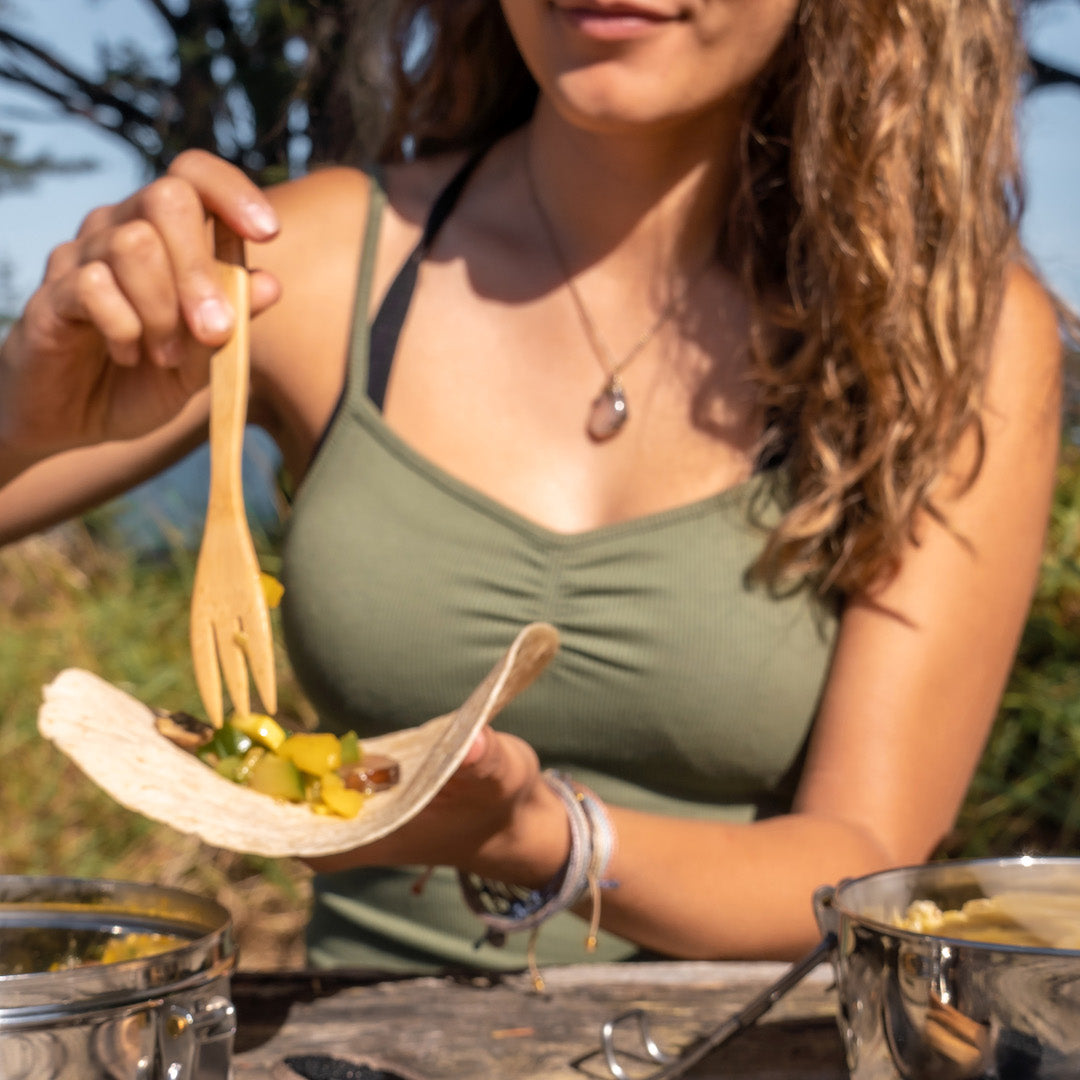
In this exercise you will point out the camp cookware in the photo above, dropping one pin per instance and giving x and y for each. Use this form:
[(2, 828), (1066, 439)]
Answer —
[(919, 1006), (165, 1016)]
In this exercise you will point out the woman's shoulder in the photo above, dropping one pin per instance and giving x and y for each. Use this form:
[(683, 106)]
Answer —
[(298, 345), (330, 204), (1028, 302), (1026, 348), (337, 194), (411, 185)]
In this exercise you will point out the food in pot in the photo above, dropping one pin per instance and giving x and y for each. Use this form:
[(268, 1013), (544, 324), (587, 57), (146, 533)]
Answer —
[(1035, 919), (329, 773), (29, 950)]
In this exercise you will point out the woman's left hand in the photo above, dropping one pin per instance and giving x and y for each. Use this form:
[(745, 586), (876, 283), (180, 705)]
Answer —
[(495, 816)]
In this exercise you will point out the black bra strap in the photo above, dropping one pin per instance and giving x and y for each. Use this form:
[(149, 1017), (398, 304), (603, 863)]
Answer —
[(388, 321)]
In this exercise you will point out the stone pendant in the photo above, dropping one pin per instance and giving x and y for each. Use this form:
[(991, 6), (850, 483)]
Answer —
[(608, 412)]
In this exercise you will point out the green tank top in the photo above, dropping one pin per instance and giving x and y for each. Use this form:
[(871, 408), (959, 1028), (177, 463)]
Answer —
[(678, 688)]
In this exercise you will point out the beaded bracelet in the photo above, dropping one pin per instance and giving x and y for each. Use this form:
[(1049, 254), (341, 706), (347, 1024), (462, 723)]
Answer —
[(507, 908)]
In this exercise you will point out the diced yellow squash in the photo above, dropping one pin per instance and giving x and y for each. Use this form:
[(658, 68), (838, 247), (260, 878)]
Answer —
[(317, 753), (272, 589), (341, 800), (263, 729)]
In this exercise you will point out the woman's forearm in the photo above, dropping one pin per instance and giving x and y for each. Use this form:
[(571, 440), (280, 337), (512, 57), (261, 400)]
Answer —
[(37, 493), (709, 890), (691, 888)]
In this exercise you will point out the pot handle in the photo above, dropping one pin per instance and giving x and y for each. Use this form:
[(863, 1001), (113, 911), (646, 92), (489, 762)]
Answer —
[(176, 1039), (182, 1035), (672, 1067), (828, 919)]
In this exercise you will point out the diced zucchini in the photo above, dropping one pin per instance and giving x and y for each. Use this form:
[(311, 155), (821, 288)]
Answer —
[(229, 767), (227, 741), (273, 775), (248, 762), (350, 748)]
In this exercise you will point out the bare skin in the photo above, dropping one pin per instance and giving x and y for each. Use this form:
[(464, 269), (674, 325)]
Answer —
[(114, 346)]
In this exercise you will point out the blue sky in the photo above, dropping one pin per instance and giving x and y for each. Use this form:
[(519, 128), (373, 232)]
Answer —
[(32, 223)]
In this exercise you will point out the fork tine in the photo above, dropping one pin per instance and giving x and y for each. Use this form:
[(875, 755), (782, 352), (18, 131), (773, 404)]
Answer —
[(207, 674), (260, 655), (233, 657)]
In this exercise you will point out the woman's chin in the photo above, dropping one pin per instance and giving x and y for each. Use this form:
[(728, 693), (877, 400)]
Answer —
[(617, 104)]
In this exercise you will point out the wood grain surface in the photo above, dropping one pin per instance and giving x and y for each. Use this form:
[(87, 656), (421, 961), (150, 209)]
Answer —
[(499, 1027)]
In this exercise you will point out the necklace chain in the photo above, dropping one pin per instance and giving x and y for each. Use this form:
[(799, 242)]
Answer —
[(609, 410), (612, 368)]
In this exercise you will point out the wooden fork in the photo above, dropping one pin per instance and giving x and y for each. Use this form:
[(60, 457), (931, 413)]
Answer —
[(230, 624)]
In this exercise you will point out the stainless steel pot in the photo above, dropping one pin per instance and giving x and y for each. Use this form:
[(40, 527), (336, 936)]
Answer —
[(922, 1007), (162, 1017), (917, 1006)]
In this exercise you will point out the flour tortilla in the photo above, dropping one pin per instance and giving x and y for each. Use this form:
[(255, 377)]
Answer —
[(111, 737)]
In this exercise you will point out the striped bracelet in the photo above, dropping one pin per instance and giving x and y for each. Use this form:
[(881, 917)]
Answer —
[(507, 908)]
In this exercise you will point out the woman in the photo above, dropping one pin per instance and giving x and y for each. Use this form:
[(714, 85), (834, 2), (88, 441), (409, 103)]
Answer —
[(721, 355)]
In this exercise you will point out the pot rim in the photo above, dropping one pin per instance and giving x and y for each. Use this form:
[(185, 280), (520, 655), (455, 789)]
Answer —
[(206, 925), (835, 901)]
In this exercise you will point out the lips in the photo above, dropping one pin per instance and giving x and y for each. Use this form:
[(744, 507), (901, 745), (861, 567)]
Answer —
[(615, 21), (619, 10)]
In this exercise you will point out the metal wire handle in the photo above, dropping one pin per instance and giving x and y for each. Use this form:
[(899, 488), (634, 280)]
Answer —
[(673, 1066)]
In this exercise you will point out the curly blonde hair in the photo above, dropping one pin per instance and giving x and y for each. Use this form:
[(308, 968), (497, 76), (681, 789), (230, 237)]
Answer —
[(874, 222)]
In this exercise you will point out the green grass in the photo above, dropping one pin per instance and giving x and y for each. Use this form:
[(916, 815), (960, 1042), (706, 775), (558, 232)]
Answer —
[(1025, 798), (74, 600)]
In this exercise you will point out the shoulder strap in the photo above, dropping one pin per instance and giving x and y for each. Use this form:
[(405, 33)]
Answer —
[(358, 342), (388, 321), (355, 373)]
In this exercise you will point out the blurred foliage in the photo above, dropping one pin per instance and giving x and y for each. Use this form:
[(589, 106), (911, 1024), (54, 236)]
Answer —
[(262, 83), (1025, 798), (9, 304), (74, 598), (1045, 72), (18, 172)]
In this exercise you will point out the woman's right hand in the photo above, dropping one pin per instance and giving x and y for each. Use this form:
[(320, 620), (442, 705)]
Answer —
[(119, 335)]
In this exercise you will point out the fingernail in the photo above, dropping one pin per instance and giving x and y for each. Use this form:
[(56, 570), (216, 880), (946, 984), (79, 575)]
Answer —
[(213, 316), (261, 218)]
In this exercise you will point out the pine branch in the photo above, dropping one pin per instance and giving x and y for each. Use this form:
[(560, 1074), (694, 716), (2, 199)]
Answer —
[(1044, 74), (62, 98), (163, 10), (95, 94)]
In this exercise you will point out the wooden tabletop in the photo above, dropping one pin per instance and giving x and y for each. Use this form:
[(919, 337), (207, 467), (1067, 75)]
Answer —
[(491, 1028)]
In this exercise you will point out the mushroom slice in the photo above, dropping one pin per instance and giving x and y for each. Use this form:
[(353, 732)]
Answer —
[(376, 772), (187, 731)]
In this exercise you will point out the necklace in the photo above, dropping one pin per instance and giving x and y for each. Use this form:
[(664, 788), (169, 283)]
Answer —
[(609, 409)]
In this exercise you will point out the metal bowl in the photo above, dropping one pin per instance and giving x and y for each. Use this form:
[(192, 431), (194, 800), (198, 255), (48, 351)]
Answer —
[(153, 1017), (926, 1007)]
